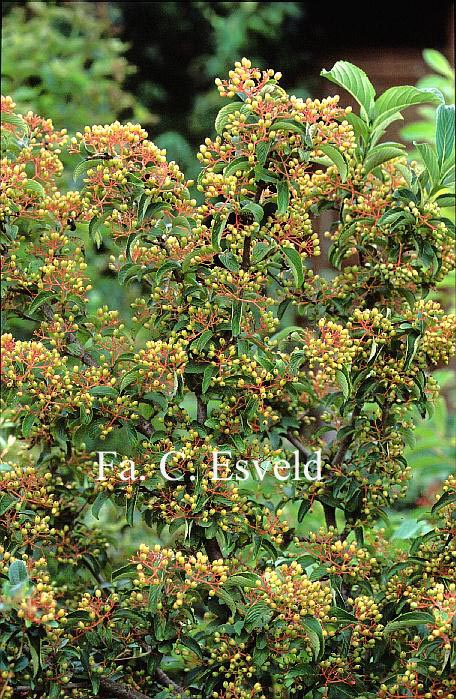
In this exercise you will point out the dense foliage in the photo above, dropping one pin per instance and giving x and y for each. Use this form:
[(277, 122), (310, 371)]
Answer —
[(79, 77), (245, 599)]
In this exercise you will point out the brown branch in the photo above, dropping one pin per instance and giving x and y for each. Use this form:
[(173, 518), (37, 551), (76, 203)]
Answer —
[(345, 443), (330, 515), (168, 682), (201, 409), (144, 427), (296, 442), (117, 689), (245, 264), (213, 550), (329, 510), (121, 690)]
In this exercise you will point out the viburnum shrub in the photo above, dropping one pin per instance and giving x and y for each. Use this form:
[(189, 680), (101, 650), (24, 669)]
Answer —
[(243, 598)]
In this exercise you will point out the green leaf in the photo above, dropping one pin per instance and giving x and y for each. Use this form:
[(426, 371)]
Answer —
[(218, 227), (242, 163), (244, 579), (447, 498), (381, 154), (236, 317), (27, 424), (395, 99), (445, 132), (262, 151), (99, 502), (315, 634), (411, 347), (35, 188), (283, 197), (438, 62), (343, 383), (229, 261), (207, 377), (360, 128), (254, 209), (14, 120), (304, 507), (103, 391), (407, 620), (54, 691), (221, 120), (227, 599), (130, 507), (17, 573), (429, 158), (355, 82), (257, 616), (201, 341), (85, 165), (337, 158), (6, 501), (191, 644), (283, 125), (39, 300), (294, 258)]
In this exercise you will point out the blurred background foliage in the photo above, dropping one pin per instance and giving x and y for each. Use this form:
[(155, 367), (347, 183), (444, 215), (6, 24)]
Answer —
[(155, 62), (63, 62)]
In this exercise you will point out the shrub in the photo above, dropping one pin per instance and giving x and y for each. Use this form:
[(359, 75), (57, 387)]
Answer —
[(243, 596), (81, 74)]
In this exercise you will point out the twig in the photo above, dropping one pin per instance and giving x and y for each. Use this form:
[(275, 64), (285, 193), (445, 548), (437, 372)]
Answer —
[(245, 264), (168, 682), (329, 510), (345, 443), (201, 409), (330, 515), (296, 442), (121, 690)]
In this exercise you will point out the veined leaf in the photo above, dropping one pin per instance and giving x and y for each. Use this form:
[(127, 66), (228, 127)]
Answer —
[(429, 158), (315, 634), (257, 616), (343, 383), (39, 301), (240, 163), (14, 120), (355, 81), (412, 345), (17, 572), (217, 230), (236, 317), (337, 158), (221, 120), (261, 151), (207, 377), (254, 209), (445, 132), (381, 154), (438, 63), (295, 261), (85, 165), (408, 620), (395, 99), (201, 341), (35, 187), (291, 125), (283, 197), (446, 499)]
